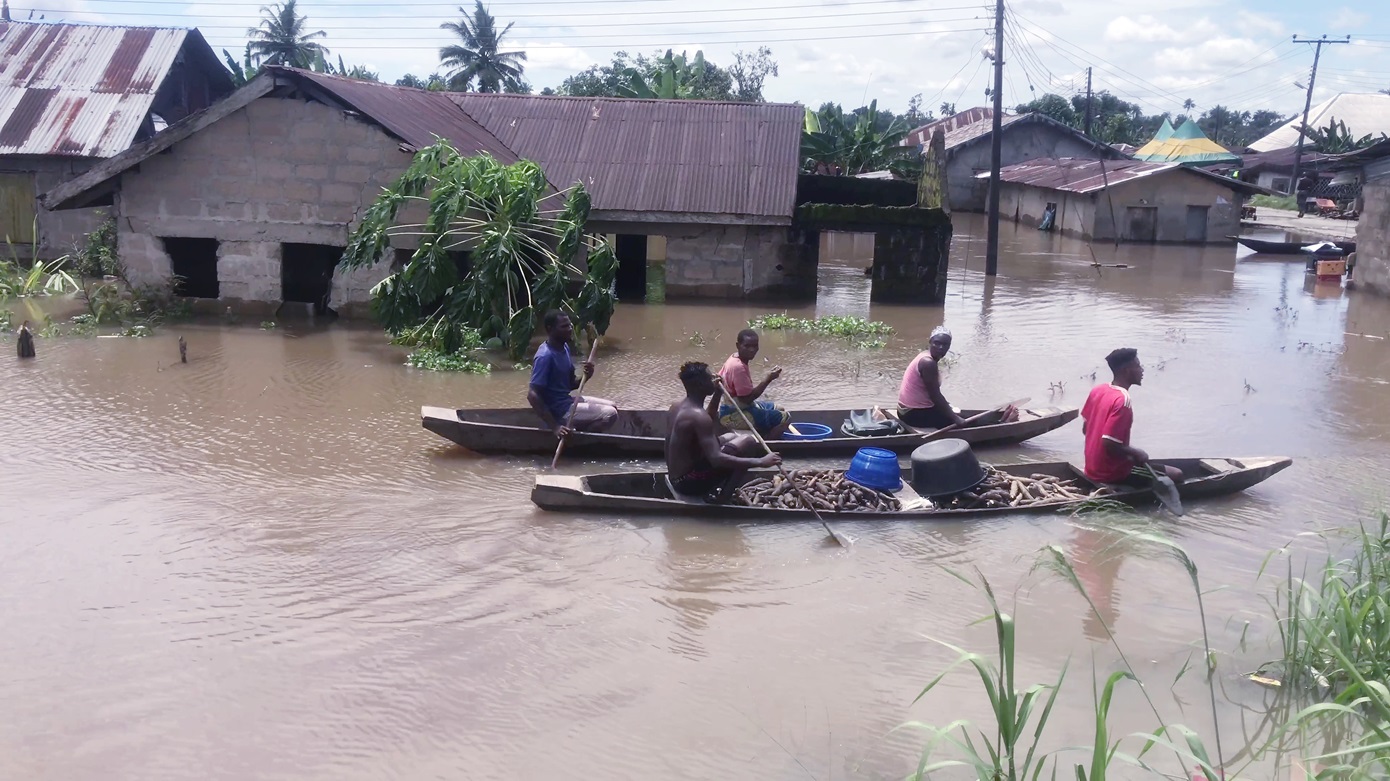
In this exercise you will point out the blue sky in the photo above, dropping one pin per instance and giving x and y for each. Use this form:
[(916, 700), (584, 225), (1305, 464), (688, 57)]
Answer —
[(1235, 53)]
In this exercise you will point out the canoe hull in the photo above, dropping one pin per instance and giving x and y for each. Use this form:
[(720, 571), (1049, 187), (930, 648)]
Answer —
[(644, 493), (1288, 247), (642, 433)]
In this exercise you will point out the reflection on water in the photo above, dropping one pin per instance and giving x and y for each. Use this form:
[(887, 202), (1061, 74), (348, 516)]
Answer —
[(259, 565)]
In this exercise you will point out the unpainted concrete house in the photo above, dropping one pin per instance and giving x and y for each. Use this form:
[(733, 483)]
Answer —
[(1150, 202), (254, 198), (1372, 167), (1023, 137), (74, 94)]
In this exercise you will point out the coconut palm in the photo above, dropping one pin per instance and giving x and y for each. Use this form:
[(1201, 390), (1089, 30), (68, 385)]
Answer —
[(282, 40), (476, 56)]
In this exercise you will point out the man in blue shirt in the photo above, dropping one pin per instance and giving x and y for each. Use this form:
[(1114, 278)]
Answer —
[(553, 378)]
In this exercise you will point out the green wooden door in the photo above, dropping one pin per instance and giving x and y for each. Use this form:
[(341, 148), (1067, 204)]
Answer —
[(17, 208)]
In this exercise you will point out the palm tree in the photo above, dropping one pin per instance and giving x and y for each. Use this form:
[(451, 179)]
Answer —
[(281, 39), (478, 57)]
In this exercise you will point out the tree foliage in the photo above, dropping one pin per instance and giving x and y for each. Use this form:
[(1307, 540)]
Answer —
[(359, 72), (522, 250), (283, 38), (244, 71), (1117, 121), (478, 56), (671, 76), (1337, 139), (434, 82), (837, 143)]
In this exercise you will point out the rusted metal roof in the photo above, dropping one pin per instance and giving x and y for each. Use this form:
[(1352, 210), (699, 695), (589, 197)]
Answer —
[(80, 90), (1077, 175), (415, 116), (922, 136), (664, 156)]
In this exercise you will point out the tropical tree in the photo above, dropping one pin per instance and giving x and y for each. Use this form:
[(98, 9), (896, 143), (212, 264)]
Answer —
[(434, 82), (282, 38), (478, 54), (645, 76), (244, 71), (750, 71), (1336, 138), (833, 142), (1053, 106), (522, 248)]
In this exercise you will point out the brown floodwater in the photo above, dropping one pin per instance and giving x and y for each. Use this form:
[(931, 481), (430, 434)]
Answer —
[(259, 565)]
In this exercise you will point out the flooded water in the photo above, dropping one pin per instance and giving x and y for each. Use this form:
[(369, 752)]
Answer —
[(259, 565)]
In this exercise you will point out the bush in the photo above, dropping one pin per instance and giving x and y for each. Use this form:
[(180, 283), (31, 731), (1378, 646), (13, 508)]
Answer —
[(1285, 202), (434, 360)]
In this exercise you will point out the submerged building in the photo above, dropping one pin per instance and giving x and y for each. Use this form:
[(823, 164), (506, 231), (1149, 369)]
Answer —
[(1133, 200), (72, 95), (254, 198)]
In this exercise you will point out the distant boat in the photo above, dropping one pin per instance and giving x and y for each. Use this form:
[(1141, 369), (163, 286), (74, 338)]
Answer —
[(1287, 247)]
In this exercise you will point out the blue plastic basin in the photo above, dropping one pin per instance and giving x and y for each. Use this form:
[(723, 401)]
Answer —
[(875, 468), (808, 431)]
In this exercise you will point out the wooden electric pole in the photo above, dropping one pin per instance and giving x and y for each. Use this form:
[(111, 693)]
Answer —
[(1308, 104), (995, 146), (1087, 122)]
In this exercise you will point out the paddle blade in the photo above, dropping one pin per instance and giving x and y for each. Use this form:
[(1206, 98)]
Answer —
[(1167, 492)]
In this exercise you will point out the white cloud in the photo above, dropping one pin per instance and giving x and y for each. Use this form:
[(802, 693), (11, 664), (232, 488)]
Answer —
[(542, 55), (1348, 19), (1123, 29)]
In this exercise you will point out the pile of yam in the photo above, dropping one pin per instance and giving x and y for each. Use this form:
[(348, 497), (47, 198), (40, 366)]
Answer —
[(827, 490), (1001, 489)]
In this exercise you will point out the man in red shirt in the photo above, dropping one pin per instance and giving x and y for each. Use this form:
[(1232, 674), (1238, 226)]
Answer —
[(1108, 417)]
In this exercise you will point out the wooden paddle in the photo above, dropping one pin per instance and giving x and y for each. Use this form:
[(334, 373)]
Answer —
[(838, 537), (593, 348), (1166, 491), (966, 423)]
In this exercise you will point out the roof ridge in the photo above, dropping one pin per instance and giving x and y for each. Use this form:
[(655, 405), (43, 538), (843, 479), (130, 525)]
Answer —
[(44, 23)]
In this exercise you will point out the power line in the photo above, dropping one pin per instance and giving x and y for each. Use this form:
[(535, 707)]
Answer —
[(395, 9), (974, 52), (610, 47)]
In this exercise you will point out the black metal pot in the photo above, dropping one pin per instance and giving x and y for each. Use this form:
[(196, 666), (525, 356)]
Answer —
[(945, 467)]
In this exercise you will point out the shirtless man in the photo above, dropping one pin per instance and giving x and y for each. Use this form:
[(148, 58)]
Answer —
[(698, 461)]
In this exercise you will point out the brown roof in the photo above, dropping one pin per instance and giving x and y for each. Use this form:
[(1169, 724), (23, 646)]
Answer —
[(412, 115), (1077, 175), (664, 156), (922, 136), (84, 90)]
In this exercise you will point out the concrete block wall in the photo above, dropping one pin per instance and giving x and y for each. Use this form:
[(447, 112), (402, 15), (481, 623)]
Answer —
[(1373, 239), (736, 261), (277, 171)]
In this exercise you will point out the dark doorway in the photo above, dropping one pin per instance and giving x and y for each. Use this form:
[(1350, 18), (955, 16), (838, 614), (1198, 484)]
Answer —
[(1141, 223), (631, 279), (306, 273), (1197, 224), (194, 264)]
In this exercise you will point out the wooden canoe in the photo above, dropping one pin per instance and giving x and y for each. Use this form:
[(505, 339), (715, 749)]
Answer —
[(1288, 247), (643, 432), (647, 493)]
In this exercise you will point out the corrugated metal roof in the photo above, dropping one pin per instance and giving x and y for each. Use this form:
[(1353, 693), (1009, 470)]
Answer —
[(416, 116), (1077, 175), (922, 136), (81, 90), (675, 156)]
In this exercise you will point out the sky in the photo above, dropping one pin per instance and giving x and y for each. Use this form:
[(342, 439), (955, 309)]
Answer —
[(1236, 53)]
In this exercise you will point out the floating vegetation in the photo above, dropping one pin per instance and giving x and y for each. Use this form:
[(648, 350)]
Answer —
[(268, 325), (434, 360), (856, 329)]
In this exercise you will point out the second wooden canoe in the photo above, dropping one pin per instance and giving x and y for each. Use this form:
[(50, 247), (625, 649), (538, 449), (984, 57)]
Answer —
[(642, 433)]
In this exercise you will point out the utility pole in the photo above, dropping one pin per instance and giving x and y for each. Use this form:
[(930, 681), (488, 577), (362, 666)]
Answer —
[(995, 146), (1308, 104), (1087, 122)]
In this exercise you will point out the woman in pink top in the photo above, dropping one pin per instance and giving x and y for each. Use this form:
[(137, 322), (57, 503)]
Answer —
[(920, 401), (770, 420)]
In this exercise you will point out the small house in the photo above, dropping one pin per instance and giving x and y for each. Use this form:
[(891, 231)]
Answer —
[(72, 95), (1023, 137), (1135, 200)]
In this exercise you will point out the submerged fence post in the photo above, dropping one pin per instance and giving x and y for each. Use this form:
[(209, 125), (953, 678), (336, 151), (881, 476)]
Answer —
[(25, 346)]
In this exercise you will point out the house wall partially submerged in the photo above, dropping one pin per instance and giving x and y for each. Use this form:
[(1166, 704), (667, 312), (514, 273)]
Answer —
[(22, 179), (1373, 239), (1022, 141), (1165, 199), (275, 172), (284, 171)]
